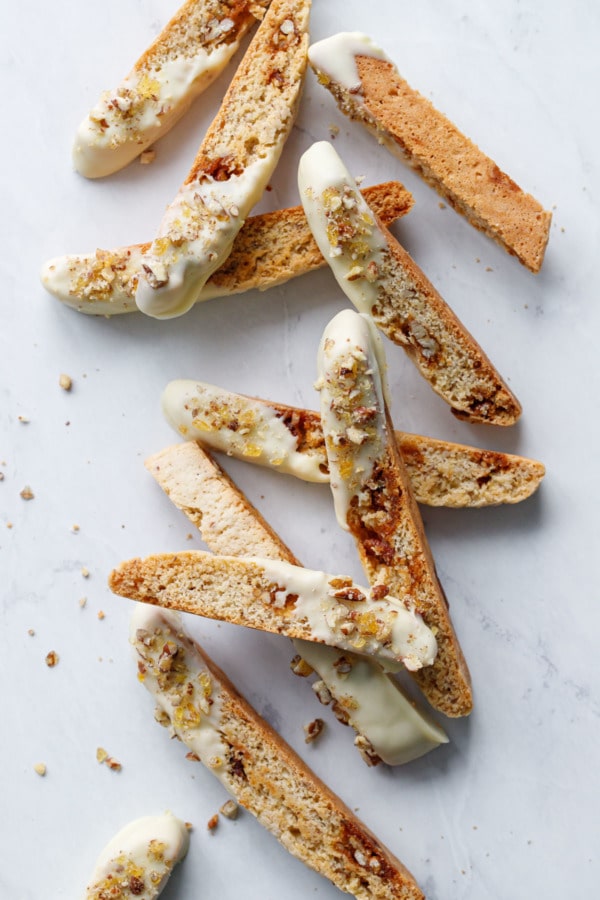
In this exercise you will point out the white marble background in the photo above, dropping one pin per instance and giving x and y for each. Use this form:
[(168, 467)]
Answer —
[(509, 808)]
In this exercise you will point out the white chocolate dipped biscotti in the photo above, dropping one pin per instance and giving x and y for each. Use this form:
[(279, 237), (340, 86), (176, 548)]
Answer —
[(189, 53), (269, 250), (380, 279), (368, 87), (138, 861), (199, 705), (389, 727), (281, 598), (289, 439), (233, 166), (373, 498)]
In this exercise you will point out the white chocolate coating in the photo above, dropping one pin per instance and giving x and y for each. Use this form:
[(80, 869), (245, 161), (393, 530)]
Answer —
[(138, 861), (147, 103), (334, 58), (239, 426), (376, 706), (347, 616), (342, 224), (352, 406), (196, 235), (171, 668)]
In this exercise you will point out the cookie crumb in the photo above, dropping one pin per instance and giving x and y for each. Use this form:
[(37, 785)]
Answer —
[(27, 493), (40, 769), (313, 730), (82, 602), (101, 614), (189, 537), (442, 205), (30, 632), (75, 528), (1, 476), (65, 382), (334, 130), (51, 659), (147, 157), (103, 757), (230, 809), (9, 524), (23, 420), (85, 572), (213, 822)]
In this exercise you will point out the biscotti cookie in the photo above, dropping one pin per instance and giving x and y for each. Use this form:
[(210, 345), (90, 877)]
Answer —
[(389, 727), (373, 499), (284, 599), (185, 58), (233, 166), (138, 861), (201, 706), (289, 439), (380, 279), (367, 87), (269, 250)]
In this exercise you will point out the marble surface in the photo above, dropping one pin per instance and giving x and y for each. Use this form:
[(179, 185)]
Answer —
[(509, 807)]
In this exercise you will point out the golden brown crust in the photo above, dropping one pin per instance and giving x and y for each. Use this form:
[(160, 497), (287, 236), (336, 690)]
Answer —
[(414, 315), (441, 473), (410, 125)]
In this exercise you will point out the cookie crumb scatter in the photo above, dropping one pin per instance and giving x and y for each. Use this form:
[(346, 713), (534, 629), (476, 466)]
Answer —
[(313, 730), (230, 809), (27, 493), (213, 822), (51, 659), (40, 769), (147, 157), (103, 757), (65, 382)]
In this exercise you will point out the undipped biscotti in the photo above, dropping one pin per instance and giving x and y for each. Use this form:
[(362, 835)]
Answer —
[(233, 165), (288, 439), (389, 727), (380, 279), (281, 598), (189, 53), (270, 249), (373, 498), (199, 704), (367, 87)]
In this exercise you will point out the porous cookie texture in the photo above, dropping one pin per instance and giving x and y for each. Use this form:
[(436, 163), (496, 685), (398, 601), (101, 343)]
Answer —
[(202, 707), (368, 87)]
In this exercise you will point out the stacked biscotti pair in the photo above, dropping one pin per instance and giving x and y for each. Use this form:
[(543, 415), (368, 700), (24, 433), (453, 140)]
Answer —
[(351, 636)]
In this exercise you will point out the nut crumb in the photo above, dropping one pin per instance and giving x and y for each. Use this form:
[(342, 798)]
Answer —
[(313, 730), (65, 382), (193, 757), (230, 809), (101, 754), (147, 157), (40, 769), (300, 667), (27, 493), (213, 822), (51, 659), (103, 757)]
